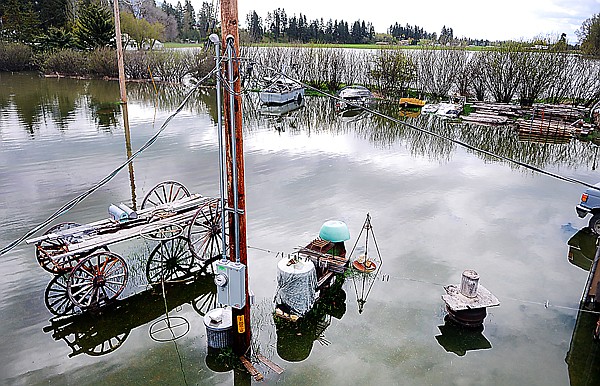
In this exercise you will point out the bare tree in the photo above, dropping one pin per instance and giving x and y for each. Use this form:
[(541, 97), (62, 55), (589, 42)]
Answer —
[(500, 69), (538, 70), (437, 69)]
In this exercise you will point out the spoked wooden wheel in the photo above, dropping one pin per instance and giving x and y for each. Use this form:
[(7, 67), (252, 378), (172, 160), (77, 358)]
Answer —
[(170, 260), (163, 193), (205, 234), (49, 252), (57, 297), (97, 279)]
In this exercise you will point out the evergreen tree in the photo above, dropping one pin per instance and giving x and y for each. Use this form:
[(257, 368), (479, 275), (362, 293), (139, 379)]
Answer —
[(94, 26), (255, 28), (18, 21), (52, 13), (206, 20)]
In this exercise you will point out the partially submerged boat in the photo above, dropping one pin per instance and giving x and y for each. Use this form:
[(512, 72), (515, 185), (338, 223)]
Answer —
[(356, 96), (430, 108), (449, 110), (281, 90)]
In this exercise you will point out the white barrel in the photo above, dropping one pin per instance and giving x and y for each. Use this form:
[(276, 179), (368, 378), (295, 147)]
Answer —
[(469, 283), (218, 328)]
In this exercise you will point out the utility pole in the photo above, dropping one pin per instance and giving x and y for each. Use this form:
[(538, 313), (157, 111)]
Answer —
[(235, 169)]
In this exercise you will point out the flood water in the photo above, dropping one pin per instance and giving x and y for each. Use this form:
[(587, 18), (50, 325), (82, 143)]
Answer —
[(436, 208)]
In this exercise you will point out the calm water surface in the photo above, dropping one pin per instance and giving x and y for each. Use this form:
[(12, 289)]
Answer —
[(436, 209)]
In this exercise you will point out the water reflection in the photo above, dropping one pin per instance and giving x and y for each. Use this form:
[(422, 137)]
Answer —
[(40, 100), (102, 332), (458, 339), (319, 115), (583, 358), (582, 248), (283, 116), (295, 339), (128, 153)]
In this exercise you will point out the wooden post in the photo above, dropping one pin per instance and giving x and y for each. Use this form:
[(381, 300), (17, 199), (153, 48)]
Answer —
[(241, 318), (120, 52)]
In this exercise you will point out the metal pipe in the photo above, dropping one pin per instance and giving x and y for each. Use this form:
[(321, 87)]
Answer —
[(230, 41), (217, 42)]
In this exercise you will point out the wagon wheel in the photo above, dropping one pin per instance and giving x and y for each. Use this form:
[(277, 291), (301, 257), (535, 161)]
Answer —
[(167, 191), (57, 298), (97, 279), (205, 302), (48, 252), (205, 235), (170, 260)]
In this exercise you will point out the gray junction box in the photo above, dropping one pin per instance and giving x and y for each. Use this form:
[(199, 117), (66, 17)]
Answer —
[(231, 283)]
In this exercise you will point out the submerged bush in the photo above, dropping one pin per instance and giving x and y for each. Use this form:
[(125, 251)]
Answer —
[(65, 62), (171, 65), (15, 57), (103, 62), (137, 64)]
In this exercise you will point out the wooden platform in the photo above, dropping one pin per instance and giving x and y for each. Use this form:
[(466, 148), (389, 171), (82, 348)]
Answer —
[(325, 261)]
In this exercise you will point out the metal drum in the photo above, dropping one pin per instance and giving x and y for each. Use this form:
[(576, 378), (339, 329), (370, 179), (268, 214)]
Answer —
[(218, 328)]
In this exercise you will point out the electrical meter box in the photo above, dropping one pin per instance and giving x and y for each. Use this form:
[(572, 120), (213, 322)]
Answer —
[(230, 279)]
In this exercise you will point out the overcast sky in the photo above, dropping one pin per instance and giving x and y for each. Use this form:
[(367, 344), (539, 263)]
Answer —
[(481, 19)]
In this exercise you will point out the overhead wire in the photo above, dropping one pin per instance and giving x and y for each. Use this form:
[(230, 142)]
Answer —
[(73, 202)]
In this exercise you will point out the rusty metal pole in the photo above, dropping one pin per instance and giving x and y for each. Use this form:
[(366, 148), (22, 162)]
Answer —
[(233, 125)]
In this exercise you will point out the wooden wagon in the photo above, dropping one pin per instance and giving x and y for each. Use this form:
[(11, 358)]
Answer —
[(168, 214)]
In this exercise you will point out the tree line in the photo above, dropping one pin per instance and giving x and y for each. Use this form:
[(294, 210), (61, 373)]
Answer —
[(279, 27), (86, 24)]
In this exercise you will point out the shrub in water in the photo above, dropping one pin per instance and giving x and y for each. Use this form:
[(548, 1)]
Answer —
[(65, 62), (15, 57), (103, 62)]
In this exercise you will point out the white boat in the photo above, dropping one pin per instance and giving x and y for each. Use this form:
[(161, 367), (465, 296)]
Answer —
[(449, 110), (357, 95), (281, 90), (430, 108)]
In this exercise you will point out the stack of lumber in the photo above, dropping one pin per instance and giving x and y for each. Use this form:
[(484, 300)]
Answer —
[(493, 113), (567, 113), (498, 109)]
